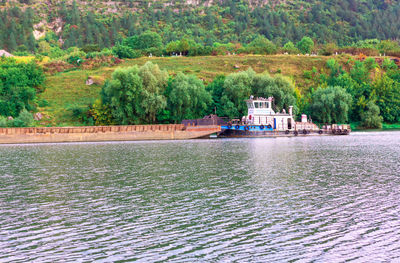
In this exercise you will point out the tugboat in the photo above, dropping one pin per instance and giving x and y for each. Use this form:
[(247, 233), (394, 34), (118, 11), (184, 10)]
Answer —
[(263, 121)]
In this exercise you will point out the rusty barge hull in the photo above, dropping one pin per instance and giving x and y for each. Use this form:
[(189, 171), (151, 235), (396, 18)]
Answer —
[(104, 133)]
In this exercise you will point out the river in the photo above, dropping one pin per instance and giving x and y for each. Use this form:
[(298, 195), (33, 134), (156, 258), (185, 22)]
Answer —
[(320, 199)]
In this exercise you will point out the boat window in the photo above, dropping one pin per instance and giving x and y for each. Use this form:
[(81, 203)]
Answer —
[(256, 105), (267, 105)]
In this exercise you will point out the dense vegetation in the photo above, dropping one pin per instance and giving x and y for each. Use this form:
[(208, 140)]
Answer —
[(367, 94), (343, 23), (19, 84)]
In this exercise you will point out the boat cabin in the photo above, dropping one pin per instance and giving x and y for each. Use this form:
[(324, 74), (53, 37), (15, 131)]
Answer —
[(260, 112)]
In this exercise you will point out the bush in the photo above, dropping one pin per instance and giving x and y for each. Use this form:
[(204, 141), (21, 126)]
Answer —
[(103, 53), (331, 105), (290, 48), (91, 48), (75, 60), (305, 45), (329, 49), (25, 119), (370, 118), (125, 52), (3, 121), (261, 45)]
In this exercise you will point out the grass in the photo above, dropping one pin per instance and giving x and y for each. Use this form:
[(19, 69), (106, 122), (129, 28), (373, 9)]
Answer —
[(355, 126), (69, 88), (394, 126)]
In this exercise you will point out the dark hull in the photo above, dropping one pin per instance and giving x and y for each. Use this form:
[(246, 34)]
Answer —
[(230, 133)]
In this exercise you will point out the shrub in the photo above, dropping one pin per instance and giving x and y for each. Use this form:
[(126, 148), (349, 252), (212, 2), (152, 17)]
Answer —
[(290, 48), (370, 118), (3, 121), (261, 45), (125, 52), (305, 45), (25, 119)]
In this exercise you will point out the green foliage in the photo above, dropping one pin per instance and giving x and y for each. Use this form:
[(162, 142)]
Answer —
[(331, 105), (25, 119), (152, 99), (91, 48), (261, 45), (279, 87), (125, 52), (290, 48), (370, 118), (237, 88), (187, 98), (216, 89), (386, 91), (3, 121), (229, 93), (328, 49), (121, 95), (135, 95), (17, 86), (148, 42), (340, 22), (305, 45)]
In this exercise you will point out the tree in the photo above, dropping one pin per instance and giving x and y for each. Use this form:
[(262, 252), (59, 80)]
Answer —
[(305, 45), (386, 91), (19, 84), (172, 47), (237, 88), (122, 95), (216, 89), (187, 98), (331, 105), (125, 52), (370, 118), (279, 87), (144, 41), (290, 48), (12, 43), (152, 98), (261, 45)]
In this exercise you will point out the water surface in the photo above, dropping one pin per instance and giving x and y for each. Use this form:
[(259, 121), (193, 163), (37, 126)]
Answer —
[(321, 199)]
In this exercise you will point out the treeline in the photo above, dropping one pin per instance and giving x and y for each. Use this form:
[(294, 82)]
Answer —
[(367, 94), (340, 22), (16, 29)]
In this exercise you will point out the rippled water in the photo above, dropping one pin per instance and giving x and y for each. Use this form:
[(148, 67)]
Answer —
[(323, 199)]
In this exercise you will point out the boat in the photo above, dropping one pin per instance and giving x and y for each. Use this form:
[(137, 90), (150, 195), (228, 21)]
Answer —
[(105, 133), (262, 121)]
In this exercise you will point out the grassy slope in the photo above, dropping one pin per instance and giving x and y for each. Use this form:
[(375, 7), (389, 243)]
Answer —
[(65, 89)]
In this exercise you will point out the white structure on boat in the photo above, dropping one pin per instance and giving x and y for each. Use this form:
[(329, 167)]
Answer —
[(260, 112)]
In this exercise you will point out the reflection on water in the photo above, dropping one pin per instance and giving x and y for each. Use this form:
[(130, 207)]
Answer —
[(324, 199)]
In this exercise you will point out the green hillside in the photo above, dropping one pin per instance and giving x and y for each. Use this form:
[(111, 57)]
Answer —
[(105, 23)]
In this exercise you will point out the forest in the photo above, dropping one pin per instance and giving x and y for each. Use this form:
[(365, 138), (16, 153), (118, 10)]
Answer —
[(340, 22)]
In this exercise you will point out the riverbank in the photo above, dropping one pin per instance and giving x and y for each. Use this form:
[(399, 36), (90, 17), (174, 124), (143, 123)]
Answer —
[(385, 127)]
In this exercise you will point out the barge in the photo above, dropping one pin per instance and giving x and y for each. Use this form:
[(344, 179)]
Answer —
[(262, 121), (105, 133)]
